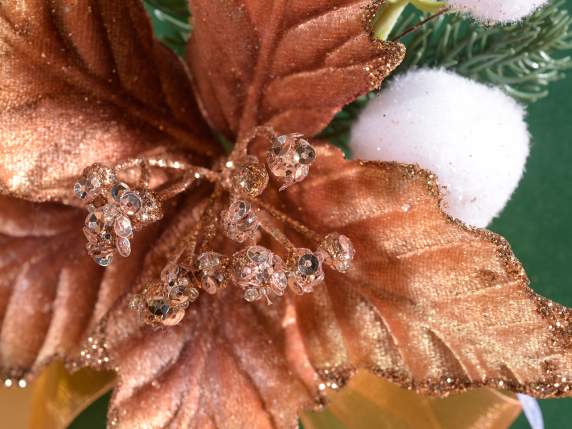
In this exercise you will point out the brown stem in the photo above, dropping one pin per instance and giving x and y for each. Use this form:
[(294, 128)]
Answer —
[(141, 163), (275, 233), (191, 176), (421, 24), (280, 216), (241, 148), (276, 12)]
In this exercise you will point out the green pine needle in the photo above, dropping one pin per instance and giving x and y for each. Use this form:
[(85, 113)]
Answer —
[(522, 59), (170, 20)]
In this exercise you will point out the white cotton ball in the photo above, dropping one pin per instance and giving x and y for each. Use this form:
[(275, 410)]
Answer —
[(472, 136), (498, 10)]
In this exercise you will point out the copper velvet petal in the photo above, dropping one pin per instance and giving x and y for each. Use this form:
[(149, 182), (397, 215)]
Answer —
[(84, 81), (430, 303), (288, 64), (224, 366), (51, 292)]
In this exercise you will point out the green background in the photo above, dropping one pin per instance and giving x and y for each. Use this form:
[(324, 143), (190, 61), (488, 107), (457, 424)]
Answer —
[(536, 222)]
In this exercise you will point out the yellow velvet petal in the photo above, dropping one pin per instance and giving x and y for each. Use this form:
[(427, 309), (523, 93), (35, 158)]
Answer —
[(57, 396), (371, 402)]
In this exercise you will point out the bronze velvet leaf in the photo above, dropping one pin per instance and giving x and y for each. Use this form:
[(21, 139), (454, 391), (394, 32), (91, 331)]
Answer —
[(85, 81), (288, 64), (51, 294), (431, 303)]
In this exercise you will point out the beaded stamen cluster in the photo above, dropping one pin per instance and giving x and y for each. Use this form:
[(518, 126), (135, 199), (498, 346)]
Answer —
[(116, 211)]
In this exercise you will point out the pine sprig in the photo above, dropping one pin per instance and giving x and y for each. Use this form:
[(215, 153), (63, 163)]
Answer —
[(522, 58), (171, 22)]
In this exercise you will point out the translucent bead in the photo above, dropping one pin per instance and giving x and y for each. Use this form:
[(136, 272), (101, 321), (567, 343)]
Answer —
[(239, 221), (104, 260), (161, 312), (251, 177), (290, 158), (123, 246), (130, 203), (260, 273), (94, 181), (174, 317), (170, 275), (94, 222), (251, 294), (122, 226), (212, 271), (81, 188), (151, 210), (118, 190), (179, 295), (101, 254), (339, 251), (306, 269)]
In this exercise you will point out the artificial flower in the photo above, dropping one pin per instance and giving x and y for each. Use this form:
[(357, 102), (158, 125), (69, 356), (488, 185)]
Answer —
[(430, 304)]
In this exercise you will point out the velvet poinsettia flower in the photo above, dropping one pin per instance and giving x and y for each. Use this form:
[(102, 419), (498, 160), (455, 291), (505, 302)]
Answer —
[(265, 298)]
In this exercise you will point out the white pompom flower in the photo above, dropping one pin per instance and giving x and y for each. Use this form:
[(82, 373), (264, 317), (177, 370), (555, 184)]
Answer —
[(474, 137), (498, 11)]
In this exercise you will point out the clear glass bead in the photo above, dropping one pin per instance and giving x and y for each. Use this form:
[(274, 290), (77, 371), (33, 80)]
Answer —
[(81, 188), (251, 294), (179, 295), (161, 311), (250, 177), (123, 246), (212, 271), (118, 190), (94, 181), (290, 158), (94, 222), (306, 269), (338, 250), (104, 260), (239, 221), (102, 255), (170, 275), (122, 227), (278, 280), (130, 203), (260, 273), (174, 317)]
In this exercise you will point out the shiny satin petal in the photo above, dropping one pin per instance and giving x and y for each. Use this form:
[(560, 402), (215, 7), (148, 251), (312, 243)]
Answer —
[(276, 62), (430, 303), (370, 402), (85, 82), (59, 396)]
